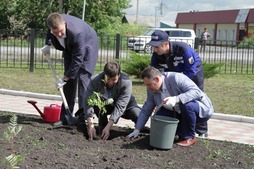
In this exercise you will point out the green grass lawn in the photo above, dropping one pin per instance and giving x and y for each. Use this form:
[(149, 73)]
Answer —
[(230, 94)]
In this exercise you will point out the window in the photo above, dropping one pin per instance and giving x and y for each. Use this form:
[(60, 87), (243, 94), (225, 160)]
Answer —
[(232, 36), (218, 35), (179, 33), (225, 35)]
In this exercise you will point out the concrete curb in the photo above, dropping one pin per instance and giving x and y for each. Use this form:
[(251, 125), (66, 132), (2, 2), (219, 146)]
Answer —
[(219, 116), (30, 94)]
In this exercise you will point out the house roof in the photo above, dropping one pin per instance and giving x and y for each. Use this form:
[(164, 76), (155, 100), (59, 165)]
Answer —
[(142, 20), (250, 18), (169, 19), (225, 16)]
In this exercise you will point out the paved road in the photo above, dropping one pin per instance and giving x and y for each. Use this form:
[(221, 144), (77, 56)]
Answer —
[(221, 127)]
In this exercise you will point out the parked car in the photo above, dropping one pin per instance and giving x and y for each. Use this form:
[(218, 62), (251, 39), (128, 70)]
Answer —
[(140, 43)]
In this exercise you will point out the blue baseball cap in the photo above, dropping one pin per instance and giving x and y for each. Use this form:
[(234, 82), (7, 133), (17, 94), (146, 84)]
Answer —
[(158, 37)]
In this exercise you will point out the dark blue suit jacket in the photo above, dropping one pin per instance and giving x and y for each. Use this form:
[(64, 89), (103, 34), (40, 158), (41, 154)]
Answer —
[(81, 46)]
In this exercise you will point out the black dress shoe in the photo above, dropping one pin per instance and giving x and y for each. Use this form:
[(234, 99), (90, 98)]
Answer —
[(76, 121), (203, 135)]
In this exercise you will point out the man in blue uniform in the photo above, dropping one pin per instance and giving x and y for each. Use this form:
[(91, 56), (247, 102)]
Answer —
[(178, 57)]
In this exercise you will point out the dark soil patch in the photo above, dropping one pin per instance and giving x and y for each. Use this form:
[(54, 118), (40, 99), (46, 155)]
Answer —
[(68, 148)]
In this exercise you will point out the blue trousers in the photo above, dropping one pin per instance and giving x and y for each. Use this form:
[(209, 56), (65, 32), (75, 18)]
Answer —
[(201, 127), (188, 119)]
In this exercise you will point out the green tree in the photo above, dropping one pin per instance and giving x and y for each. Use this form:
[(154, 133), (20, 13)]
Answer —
[(7, 8), (32, 13), (102, 15), (105, 13)]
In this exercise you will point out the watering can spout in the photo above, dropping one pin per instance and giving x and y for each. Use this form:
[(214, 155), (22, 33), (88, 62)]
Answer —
[(34, 104)]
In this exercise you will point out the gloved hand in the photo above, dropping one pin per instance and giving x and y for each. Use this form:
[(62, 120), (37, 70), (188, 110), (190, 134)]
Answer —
[(46, 50), (60, 83), (170, 102), (134, 134)]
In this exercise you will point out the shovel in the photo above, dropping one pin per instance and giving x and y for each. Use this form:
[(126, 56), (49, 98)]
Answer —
[(69, 118)]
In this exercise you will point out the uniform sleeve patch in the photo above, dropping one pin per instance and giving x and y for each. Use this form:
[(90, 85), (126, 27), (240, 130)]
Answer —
[(191, 60)]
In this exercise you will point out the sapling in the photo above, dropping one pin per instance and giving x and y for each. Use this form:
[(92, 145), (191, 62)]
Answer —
[(9, 135), (96, 99)]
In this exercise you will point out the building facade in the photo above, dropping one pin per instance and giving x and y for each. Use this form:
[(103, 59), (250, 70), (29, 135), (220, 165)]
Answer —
[(225, 25)]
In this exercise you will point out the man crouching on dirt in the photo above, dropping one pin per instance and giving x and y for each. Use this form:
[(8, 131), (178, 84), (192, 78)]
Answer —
[(180, 97), (110, 84)]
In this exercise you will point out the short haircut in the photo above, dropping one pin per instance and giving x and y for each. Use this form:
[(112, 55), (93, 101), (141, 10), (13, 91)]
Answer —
[(150, 73), (112, 69), (54, 20)]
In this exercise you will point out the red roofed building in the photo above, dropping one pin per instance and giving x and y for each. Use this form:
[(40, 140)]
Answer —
[(223, 25)]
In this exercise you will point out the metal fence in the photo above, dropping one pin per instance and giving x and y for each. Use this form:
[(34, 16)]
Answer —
[(22, 50)]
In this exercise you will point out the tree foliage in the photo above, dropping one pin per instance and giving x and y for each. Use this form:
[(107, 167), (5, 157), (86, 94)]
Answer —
[(27, 14), (7, 8)]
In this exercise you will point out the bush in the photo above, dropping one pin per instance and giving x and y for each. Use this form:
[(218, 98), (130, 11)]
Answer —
[(247, 42), (211, 69), (135, 64)]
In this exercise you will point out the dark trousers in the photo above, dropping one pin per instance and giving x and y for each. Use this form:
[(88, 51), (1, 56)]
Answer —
[(198, 79), (188, 119), (203, 45), (70, 90), (130, 114)]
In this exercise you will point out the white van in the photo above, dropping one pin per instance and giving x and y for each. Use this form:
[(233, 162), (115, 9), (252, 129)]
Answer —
[(139, 43)]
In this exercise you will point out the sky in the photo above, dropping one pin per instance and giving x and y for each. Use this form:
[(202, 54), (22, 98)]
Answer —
[(147, 7)]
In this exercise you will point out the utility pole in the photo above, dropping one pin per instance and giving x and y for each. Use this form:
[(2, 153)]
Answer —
[(60, 2), (157, 8), (137, 12), (161, 10), (84, 10)]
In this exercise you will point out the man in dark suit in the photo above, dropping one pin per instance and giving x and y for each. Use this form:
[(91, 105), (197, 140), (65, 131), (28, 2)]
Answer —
[(114, 85), (79, 43)]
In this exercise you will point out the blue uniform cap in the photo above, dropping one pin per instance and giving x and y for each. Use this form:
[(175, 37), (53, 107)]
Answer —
[(158, 37)]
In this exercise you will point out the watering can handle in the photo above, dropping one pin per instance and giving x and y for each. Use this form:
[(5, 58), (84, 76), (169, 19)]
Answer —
[(54, 105)]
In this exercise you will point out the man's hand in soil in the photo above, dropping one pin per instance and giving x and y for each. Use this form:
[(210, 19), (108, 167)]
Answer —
[(106, 131), (90, 129), (134, 134)]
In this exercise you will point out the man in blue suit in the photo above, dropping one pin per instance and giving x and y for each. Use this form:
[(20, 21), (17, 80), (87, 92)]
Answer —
[(79, 43), (178, 57), (181, 98)]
